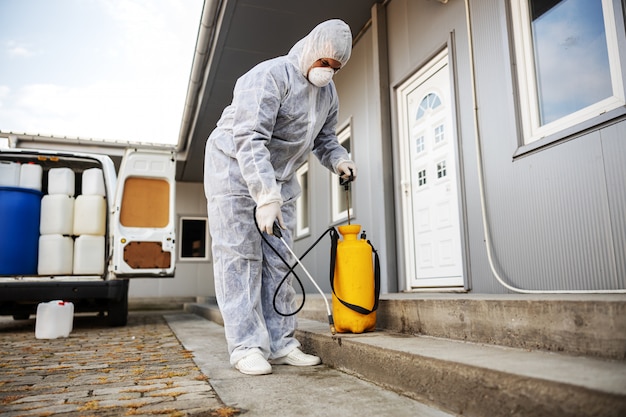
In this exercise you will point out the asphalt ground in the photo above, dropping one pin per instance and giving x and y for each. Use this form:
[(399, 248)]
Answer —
[(137, 370)]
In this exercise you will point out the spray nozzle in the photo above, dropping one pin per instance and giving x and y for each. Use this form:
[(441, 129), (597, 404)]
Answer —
[(345, 182), (276, 230)]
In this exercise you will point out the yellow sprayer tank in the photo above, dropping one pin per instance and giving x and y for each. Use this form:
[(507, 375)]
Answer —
[(355, 286)]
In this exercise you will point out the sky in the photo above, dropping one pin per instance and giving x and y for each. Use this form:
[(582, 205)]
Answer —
[(100, 69), (572, 58)]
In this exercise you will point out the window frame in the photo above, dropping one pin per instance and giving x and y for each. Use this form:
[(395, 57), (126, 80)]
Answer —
[(532, 134), (207, 245), (302, 201), (337, 191)]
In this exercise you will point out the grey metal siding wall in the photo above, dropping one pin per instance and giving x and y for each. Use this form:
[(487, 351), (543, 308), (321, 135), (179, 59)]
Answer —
[(614, 149), (550, 220), (496, 120), (556, 215)]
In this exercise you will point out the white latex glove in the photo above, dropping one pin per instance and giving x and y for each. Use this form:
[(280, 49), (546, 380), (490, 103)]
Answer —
[(266, 216), (344, 170)]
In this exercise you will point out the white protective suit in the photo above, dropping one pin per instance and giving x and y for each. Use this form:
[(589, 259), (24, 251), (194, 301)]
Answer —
[(277, 117)]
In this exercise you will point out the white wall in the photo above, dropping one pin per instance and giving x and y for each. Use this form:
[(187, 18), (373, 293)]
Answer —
[(193, 278)]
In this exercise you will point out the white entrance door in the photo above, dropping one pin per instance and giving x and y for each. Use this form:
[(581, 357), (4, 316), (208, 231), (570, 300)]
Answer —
[(430, 199)]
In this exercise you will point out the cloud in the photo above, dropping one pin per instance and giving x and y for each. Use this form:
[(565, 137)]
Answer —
[(127, 83), (572, 57), (104, 110), (4, 93), (17, 50)]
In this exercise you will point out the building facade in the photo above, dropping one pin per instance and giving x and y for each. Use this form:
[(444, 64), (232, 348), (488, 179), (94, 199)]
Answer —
[(489, 137)]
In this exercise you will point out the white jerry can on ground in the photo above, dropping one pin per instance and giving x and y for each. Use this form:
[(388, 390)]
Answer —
[(54, 319)]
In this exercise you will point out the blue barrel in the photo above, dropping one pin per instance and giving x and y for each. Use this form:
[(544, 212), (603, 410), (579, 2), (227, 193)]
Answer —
[(20, 209)]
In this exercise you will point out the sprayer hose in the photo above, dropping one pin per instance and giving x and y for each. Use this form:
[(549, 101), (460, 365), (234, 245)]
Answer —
[(291, 268)]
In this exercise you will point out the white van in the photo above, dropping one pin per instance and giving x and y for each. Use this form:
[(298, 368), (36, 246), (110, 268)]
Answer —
[(70, 229)]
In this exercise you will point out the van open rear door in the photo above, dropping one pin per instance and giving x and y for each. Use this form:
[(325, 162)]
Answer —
[(144, 213)]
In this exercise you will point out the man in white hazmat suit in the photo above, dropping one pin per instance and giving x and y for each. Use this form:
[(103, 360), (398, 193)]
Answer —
[(282, 109)]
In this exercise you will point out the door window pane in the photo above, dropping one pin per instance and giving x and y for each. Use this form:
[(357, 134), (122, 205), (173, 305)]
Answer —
[(441, 169), (439, 134), (421, 177), (419, 144)]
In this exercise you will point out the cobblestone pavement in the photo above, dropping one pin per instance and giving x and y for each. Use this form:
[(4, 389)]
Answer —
[(137, 370)]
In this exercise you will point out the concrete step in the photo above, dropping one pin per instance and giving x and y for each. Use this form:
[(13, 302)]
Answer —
[(474, 379), (590, 324), (467, 378)]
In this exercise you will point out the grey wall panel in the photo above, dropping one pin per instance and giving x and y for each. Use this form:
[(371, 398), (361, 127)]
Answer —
[(614, 152), (418, 29), (495, 122), (550, 222)]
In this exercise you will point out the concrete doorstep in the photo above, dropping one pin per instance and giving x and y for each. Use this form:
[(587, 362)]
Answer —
[(473, 379), (464, 378)]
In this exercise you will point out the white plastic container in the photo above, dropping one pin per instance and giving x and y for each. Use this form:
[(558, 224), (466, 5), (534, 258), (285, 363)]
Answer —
[(30, 176), (56, 253), (61, 181), (90, 215), (89, 255), (57, 214), (9, 174), (93, 182), (54, 319)]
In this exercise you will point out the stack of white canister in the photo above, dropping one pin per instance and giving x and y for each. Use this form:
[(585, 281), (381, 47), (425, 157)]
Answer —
[(56, 246), (72, 229), (13, 174), (90, 224)]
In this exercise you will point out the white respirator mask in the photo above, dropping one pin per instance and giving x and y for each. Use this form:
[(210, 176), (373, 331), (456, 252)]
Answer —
[(320, 76)]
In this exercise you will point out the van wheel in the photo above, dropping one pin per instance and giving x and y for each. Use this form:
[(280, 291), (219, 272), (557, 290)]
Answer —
[(118, 312)]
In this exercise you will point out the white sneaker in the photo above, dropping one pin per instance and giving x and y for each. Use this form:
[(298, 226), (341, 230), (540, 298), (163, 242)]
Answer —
[(297, 358), (254, 364)]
